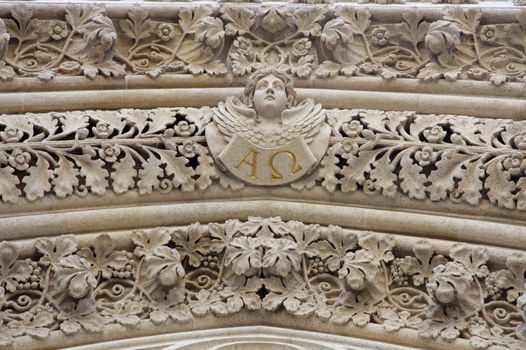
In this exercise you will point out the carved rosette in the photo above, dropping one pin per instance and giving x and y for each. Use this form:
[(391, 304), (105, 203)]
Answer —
[(170, 275)]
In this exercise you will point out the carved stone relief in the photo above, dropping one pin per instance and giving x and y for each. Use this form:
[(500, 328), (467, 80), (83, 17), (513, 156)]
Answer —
[(438, 157), (338, 276), (268, 143), (315, 40)]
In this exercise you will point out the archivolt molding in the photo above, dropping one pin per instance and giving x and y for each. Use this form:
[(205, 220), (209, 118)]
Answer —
[(444, 43), (173, 275), (437, 157)]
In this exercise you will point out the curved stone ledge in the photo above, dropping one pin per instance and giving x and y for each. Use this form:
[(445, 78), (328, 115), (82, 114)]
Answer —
[(512, 108)]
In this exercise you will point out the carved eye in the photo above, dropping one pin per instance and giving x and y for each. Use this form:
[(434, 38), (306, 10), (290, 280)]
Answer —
[(278, 85)]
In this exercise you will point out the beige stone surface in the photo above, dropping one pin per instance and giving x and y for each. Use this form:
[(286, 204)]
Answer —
[(366, 189)]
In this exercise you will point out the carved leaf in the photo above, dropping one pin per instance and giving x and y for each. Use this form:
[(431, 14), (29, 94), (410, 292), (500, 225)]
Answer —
[(336, 247), (500, 188), (206, 170), (241, 18), (412, 178), (6, 72), (244, 255), (305, 20), (449, 168), (8, 185), (474, 260), (282, 256), (329, 170), (37, 182), (124, 173), (383, 176), (357, 167), (66, 177), (103, 256), (94, 173), (210, 31), (422, 264), (189, 19), (138, 26), (470, 186), (148, 241), (53, 250), (150, 174), (192, 242), (380, 246), (358, 19), (176, 167), (414, 28), (11, 269)]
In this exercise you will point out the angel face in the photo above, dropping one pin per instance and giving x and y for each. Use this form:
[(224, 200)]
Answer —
[(270, 97)]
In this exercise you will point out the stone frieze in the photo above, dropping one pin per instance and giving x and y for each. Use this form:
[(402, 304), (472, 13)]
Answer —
[(168, 275), (448, 43), (437, 157)]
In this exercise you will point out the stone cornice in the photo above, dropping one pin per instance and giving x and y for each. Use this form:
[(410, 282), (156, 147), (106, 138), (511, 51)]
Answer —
[(426, 42), (169, 276)]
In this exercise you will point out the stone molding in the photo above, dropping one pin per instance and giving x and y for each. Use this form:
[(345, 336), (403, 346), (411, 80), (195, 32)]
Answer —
[(441, 43), (171, 275), (436, 157)]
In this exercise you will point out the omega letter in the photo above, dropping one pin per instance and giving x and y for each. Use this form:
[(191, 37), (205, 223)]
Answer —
[(293, 168)]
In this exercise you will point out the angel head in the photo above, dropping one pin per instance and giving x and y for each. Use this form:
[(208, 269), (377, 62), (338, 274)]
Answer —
[(270, 91)]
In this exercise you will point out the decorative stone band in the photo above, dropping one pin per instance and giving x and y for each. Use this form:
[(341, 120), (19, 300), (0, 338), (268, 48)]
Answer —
[(437, 157), (447, 43), (171, 275)]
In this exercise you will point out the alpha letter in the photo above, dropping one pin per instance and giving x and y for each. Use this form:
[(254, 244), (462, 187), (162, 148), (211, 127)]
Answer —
[(253, 155)]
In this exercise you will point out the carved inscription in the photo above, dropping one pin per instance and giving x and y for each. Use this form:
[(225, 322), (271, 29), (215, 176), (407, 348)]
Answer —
[(267, 166)]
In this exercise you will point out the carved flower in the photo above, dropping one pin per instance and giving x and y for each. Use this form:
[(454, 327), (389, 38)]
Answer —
[(426, 156), (166, 31), (301, 47), (488, 33), (102, 130), (369, 68), (442, 37), (349, 147), (243, 46), (515, 164), (380, 36), (69, 67), (58, 30), (500, 61), (42, 57), (11, 134), (477, 73), (187, 149), (184, 129), (19, 159), (353, 128), (520, 142), (109, 153), (435, 134)]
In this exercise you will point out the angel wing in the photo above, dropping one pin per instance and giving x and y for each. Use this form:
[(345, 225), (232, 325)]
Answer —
[(233, 117), (304, 119)]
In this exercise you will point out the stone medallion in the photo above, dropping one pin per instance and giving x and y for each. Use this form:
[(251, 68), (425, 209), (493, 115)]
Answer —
[(268, 139)]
